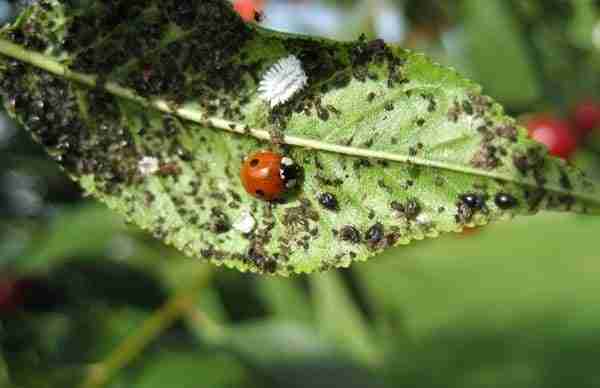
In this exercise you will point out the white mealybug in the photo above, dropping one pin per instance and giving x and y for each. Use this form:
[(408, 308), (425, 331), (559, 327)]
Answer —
[(423, 221), (148, 165), (245, 223), (284, 79)]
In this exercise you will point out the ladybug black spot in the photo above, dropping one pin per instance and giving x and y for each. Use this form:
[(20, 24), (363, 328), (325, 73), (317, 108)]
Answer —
[(254, 162), (350, 234)]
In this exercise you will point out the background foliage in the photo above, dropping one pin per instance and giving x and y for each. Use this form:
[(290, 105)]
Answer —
[(88, 300)]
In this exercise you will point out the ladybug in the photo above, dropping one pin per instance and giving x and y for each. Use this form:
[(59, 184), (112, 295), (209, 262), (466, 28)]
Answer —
[(249, 10), (268, 175)]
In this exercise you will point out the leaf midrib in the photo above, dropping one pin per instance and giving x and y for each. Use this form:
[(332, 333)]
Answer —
[(50, 65)]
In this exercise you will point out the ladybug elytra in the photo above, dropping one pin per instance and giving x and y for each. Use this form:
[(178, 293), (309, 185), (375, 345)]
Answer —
[(267, 175)]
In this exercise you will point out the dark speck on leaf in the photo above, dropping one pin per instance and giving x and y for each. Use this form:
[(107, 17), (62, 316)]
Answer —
[(474, 201), (397, 206), (464, 213), (412, 208), (220, 221), (350, 234), (521, 163), (508, 132), (328, 201), (467, 107), (375, 234), (505, 201), (565, 182)]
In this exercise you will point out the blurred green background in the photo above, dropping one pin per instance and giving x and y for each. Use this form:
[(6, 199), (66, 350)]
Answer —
[(86, 300)]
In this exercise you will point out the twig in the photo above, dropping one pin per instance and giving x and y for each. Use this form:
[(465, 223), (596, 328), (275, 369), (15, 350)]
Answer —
[(178, 305)]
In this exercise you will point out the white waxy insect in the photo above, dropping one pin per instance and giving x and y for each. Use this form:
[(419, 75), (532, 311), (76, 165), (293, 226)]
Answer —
[(423, 220), (148, 165), (245, 224), (284, 79)]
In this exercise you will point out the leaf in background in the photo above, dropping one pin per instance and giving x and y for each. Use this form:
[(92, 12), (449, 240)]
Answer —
[(189, 370), (582, 24), (407, 148), (339, 318), (537, 268), (57, 243), (99, 234), (285, 299), (499, 56), (295, 356), (111, 329), (268, 342), (4, 379), (39, 352)]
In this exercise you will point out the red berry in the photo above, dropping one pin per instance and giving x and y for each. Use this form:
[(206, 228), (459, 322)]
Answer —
[(556, 134), (266, 175), (11, 296), (247, 9), (586, 116)]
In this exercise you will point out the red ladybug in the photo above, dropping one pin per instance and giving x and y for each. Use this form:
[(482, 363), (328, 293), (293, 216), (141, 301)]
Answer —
[(249, 10), (267, 175)]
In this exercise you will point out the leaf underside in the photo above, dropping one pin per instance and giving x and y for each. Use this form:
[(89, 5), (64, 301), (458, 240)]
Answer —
[(401, 148)]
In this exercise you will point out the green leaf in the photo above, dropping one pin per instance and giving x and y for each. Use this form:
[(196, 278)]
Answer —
[(190, 370), (396, 139), (340, 319), (4, 378), (541, 267), (57, 243), (100, 234), (581, 26), (284, 299), (40, 349), (271, 342), (283, 351), (509, 75)]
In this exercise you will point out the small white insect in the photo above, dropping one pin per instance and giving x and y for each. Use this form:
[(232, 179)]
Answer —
[(423, 220), (284, 79), (148, 165), (245, 224)]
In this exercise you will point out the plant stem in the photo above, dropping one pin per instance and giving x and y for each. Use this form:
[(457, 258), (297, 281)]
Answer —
[(205, 328), (182, 302)]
